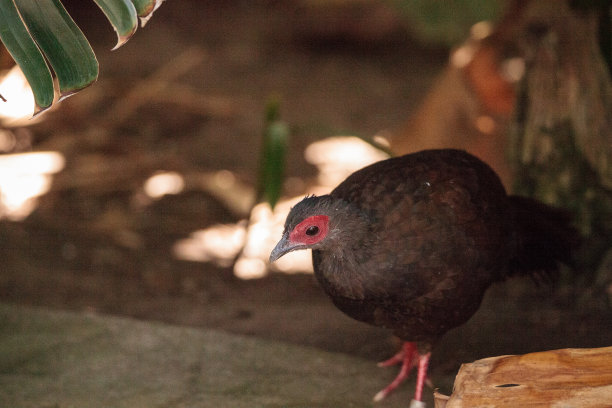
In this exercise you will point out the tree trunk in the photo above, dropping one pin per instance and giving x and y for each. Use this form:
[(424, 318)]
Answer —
[(561, 135)]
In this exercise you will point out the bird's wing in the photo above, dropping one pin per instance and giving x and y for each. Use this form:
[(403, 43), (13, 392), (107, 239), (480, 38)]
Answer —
[(433, 221)]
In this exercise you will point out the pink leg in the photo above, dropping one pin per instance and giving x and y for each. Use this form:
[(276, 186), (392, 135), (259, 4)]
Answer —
[(408, 357), (421, 376)]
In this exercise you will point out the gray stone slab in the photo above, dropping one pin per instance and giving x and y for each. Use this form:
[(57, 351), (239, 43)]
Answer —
[(62, 359)]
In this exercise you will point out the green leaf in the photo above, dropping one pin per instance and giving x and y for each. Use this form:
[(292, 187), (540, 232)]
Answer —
[(145, 9), (26, 54), (62, 43), (276, 136), (122, 16)]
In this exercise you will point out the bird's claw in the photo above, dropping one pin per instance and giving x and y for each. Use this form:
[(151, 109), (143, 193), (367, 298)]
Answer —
[(417, 404), (380, 395), (408, 357)]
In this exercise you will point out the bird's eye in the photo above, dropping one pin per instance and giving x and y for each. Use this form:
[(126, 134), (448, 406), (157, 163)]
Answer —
[(312, 230)]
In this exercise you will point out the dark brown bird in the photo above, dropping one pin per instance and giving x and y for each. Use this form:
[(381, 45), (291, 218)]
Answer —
[(412, 243)]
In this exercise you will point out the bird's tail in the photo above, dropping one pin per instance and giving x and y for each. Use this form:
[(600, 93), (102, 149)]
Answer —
[(545, 238)]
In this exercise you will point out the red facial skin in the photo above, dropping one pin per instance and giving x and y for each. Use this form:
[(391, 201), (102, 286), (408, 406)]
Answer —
[(299, 235)]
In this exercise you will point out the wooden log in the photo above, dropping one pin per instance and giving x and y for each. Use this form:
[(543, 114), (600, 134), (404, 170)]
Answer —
[(557, 378)]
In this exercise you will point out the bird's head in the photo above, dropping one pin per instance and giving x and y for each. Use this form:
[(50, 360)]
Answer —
[(314, 222)]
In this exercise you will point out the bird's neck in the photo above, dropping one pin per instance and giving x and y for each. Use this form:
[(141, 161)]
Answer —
[(338, 262), (339, 270)]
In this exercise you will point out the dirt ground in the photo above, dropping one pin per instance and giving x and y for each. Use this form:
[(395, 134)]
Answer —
[(187, 93)]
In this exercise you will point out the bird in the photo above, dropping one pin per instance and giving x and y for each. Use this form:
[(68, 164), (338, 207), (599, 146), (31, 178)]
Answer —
[(411, 244)]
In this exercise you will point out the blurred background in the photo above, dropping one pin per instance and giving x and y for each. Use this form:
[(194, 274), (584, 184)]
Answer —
[(139, 196)]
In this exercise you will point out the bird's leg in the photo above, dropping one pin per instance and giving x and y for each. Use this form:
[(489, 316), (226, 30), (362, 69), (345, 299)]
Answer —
[(408, 357), (421, 376)]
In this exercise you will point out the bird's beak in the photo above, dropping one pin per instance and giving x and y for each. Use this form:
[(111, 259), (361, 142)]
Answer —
[(284, 246)]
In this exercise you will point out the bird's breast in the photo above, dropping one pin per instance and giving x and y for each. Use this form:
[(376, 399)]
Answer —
[(338, 275)]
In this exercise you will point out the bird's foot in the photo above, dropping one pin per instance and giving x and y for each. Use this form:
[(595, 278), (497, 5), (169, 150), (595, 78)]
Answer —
[(409, 357)]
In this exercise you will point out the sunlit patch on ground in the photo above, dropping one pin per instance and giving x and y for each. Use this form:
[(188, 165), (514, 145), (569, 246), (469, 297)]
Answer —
[(18, 107), (247, 244), (161, 184), (220, 243), (337, 157), (23, 178)]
